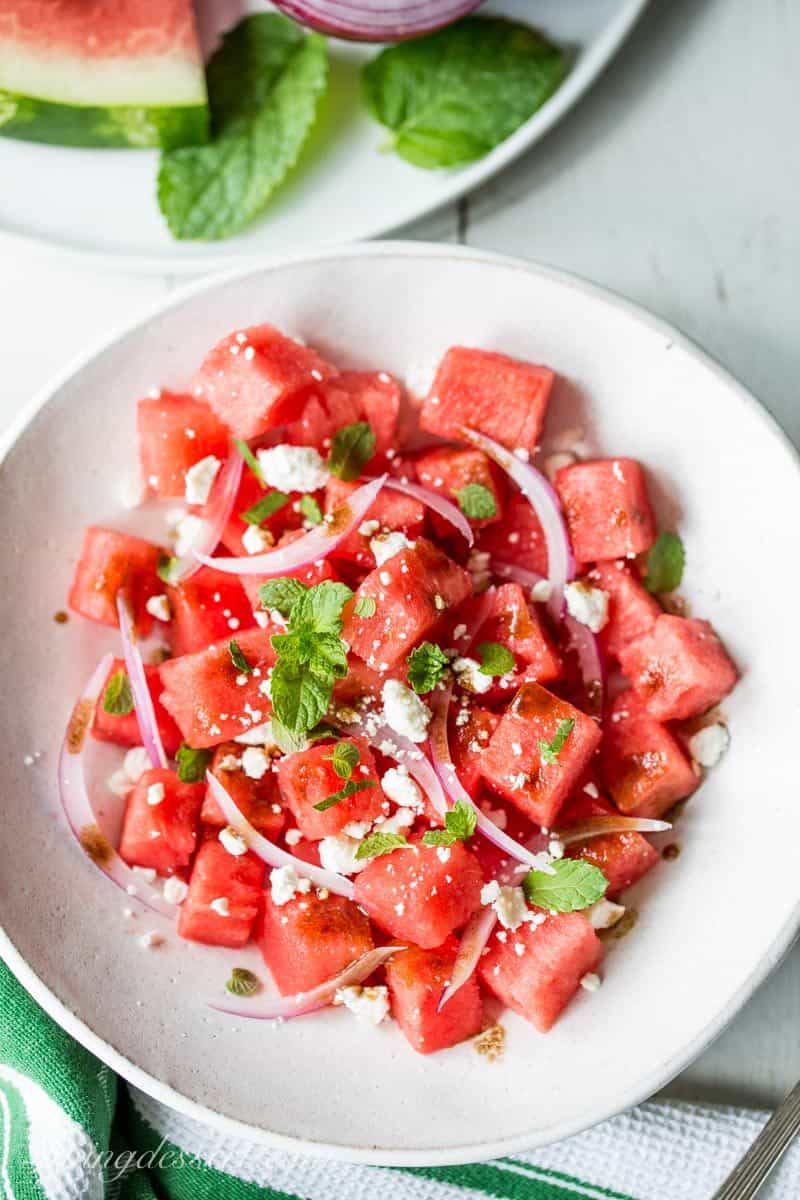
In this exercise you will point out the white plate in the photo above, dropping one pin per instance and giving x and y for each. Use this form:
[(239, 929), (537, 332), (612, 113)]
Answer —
[(102, 202), (711, 924)]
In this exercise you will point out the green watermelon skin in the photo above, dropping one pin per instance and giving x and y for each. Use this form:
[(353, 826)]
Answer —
[(30, 119)]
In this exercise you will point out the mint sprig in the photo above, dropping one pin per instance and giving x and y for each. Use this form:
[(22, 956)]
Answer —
[(427, 664), (495, 658), (476, 502), (238, 659), (380, 843), (251, 460), (264, 508), (344, 759), (665, 562), (459, 825), (574, 885), (365, 606), (281, 594), (550, 751), (311, 656), (310, 510), (352, 448), (192, 764), (350, 789), (118, 696)]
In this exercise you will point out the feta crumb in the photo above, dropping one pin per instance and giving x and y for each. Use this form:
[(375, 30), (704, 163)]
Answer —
[(386, 545), (398, 785), (603, 914), (155, 794), (285, 883), (516, 749), (293, 836), (401, 818), (357, 829), (158, 607), (439, 603), (221, 906), (708, 745), (555, 848), (511, 907), (369, 1004), (587, 604), (490, 892), (150, 940), (233, 841), (459, 632), (200, 479), (135, 763), (255, 762), (338, 853), (592, 790), (256, 540), (175, 890), (367, 528), (443, 853), (591, 982), (293, 468), (188, 533), (470, 676), (385, 578), (257, 735), (404, 712), (541, 591)]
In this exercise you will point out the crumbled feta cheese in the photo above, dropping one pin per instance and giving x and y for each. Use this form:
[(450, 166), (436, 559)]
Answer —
[(591, 982), (369, 1004), (229, 762), (587, 604), (293, 836), (385, 578), (188, 534), (490, 892), (386, 545), (175, 890), (233, 841), (158, 607), (285, 883), (200, 479), (367, 528), (357, 829), (443, 853), (398, 785), (155, 794), (151, 939), (401, 818), (257, 735), (439, 603), (293, 468), (338, 853), (469, 675), (591, 789), (511, 907), (221, 906), (256, 540), (603, 914), (708, 745), (542, 591), (404, 712), (135, 763), (555, 848), (255, 762)]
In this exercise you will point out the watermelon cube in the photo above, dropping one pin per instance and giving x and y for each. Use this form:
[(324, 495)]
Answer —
[(251, 491), (309, 939), (679, 669), (379, 396), (416, 979), (411, 591), (203, 694), (632, 611), (307, 778), (622, 857), (258, 799), (469, 737), (420, 895), (497, 395), (518, 539), (253, 379), (643, 765), (207, 607), (352, 396), (539, 980), (123, 730), (109, 561), (514, 624), (392, 510), (447, 470), (513, 763), (175, 432), (219, 876), (607, 508), (160, 825)]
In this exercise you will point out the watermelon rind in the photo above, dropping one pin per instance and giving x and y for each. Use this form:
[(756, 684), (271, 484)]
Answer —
[(167, 126)]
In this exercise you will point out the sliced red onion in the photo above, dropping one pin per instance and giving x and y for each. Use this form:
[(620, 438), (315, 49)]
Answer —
[(217, 514), (271, 854), (445, 508), (590, 661), (392, 21), (314, 545), (545, 503), (476, 934), (517, 574), (142, 700), (613, 823), (77, 805), (283, 1008), (405, 752)]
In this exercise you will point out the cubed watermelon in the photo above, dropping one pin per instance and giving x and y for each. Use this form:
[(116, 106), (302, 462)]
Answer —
[(513, 762), (497, 395), (123, 730), (632, 611), (379, 396), (220, 876), (251, 491), (622, 857), (518, 539), (679, 669), (419, 893), (160, 825), (469, 737), (643, 765), (307, 778), (539, 980), (253, 379), (515, 624), (175, 432), (352, 396), (109, 561), (203, 694), (412, 590), (207, 607), (447, 470), (309, 939), (392, 510), (607, 508), (416, 979), (258, 799)]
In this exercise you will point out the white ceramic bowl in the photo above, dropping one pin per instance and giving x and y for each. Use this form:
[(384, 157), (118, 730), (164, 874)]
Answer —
[(711, 924)]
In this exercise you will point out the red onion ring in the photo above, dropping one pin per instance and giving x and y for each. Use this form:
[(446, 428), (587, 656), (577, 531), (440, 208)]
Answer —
[(271, 854), (547, 506), (613, 823), (283, 1008), (314, 545), (142, 700), (389, 23), (77, 805), (216, 517), (445, 508)]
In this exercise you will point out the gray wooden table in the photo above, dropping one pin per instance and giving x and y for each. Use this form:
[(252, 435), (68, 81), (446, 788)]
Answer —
[(676, 182)]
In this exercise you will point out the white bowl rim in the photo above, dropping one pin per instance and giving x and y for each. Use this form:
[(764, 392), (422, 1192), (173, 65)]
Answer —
[(459, 1155)]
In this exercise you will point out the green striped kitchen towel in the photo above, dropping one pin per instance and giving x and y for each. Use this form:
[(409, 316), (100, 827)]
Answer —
[(69, 1130)]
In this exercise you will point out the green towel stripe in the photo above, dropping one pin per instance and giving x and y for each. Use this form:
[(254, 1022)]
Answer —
[(559, 1175), (18, 1179), (509, 1180)]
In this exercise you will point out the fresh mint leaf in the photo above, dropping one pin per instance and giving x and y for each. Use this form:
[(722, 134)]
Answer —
[(166, 568), (496, 659), (311, 656), (574, 885), (310, 510), (380, 843), (352, 448), (118, 697), (264, 86), (242, 982), (238, 659), (265, 507), (300, 694), (251, 460), (366, 606), (345, 757), (454, 95), (349, 789), (427, 664), (665, 562), (293, 743), (551, 750), (320, 608), (476, 502), (281, 594), (459, 825), (192, 764)]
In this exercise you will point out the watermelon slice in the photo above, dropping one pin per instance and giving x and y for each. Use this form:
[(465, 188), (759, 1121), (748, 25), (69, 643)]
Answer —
[(99, 74)]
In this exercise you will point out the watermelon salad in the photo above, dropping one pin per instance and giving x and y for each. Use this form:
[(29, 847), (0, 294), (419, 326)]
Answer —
[(398, 713)]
